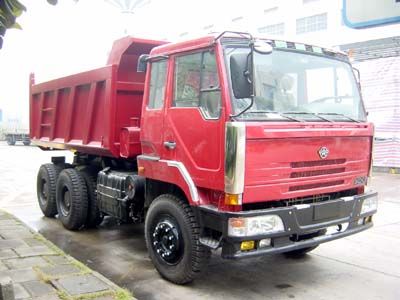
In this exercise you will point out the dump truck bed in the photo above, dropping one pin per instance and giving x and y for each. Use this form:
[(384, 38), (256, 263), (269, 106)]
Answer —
[(95, 112)]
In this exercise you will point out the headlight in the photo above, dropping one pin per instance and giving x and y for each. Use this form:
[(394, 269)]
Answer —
[(254, 225), (369, 204)]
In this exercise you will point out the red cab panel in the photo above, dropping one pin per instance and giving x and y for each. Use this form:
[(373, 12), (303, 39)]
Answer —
[(284, 163)]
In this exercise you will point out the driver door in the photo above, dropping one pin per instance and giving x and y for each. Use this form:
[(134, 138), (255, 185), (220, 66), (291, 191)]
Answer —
[(194, 124)]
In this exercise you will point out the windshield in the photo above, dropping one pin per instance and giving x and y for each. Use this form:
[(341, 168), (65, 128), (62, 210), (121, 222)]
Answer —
[(296, 86)]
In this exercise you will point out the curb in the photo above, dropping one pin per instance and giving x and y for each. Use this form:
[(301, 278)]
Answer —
[(57, 273)]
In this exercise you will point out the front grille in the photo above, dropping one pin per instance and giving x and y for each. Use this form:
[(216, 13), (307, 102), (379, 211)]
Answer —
[(308, 200), (315, 185), (316, 172), (299, 200), (317, 163)]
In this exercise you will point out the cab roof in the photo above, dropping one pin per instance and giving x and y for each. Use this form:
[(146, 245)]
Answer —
[(210, 39)]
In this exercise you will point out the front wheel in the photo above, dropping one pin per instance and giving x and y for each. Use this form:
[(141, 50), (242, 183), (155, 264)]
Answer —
[(302, 252), (172, 238), (299, 253)]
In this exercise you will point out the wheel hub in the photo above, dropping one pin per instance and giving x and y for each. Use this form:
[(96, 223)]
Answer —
[(166, 241), (66, 203), (43, 192)]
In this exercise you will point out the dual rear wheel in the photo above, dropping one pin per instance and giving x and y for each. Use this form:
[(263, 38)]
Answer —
[(70, 193)]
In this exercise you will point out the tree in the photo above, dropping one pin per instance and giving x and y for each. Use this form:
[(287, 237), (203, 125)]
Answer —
[(10, 10)]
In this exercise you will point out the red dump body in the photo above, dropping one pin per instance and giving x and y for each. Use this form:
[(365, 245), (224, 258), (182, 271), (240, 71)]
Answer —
[(95, 112)]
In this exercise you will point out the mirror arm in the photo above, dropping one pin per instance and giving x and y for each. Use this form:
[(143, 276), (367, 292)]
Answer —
[(246, 109)]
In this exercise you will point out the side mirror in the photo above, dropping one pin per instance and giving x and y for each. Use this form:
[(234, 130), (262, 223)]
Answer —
[(241, 85), (142, 63)]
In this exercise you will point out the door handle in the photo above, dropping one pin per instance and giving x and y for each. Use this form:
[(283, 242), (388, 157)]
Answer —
[(170, 145)]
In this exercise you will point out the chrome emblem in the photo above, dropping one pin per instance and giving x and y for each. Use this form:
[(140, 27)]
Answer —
[(323, 152)]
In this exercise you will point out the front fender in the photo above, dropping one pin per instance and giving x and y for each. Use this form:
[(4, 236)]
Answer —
[(170, 171)]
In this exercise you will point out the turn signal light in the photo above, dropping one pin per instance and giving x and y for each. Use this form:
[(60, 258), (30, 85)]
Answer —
[(141, 170), (247, 245), (233, 199)]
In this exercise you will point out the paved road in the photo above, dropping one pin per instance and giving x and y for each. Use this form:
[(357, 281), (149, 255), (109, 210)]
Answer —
[(365, 266)]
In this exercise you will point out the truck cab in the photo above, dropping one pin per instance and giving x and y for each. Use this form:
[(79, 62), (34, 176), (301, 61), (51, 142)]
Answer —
[(271, 148)]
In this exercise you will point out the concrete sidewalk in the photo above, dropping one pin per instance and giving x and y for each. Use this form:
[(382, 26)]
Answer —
[(41, 271)]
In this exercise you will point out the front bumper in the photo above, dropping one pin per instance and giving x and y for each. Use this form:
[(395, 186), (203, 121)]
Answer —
[(300, 222)]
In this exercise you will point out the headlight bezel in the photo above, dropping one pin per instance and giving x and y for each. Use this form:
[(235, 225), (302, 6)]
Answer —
[(255, 226), (369, 205)]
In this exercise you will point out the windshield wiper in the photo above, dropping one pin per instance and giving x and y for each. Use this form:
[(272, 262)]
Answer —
[(306, 113), (340, 115), (273, 112)]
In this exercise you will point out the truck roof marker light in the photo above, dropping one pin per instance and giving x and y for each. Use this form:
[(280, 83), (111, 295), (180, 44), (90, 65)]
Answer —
[(317, 49), (300, 47), (233, 199), (280, 44)]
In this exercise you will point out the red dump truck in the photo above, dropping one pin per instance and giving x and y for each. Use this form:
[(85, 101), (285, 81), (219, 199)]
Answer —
[(252, 146)]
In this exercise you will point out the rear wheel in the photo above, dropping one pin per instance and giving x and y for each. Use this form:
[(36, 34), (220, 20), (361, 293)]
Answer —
[(172, 239), (46, 188), (94, 217), (72, 199), (26, 143), (10, 141)]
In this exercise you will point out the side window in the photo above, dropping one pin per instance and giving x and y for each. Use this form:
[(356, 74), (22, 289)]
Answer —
[(158, 80), (196, 83)]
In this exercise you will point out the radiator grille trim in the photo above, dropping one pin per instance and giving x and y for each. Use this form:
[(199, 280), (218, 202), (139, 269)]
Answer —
[(315, 185), (317, 163)]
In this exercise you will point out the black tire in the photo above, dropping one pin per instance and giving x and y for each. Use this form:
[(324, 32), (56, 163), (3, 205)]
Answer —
[(94, 216), (10, 141), (26, 143), (72, 199), (299, 253), (170, 221), (46, 188)]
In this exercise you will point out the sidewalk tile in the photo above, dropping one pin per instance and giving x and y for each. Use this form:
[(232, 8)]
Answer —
[(9, 222), (104, 298), (11, 234), (20, 292), (38, 288), (11, 243), (57, 259), (34, 251), (4, 216), (81, 284), (19, 276), (7, 253), (12, 227), (27, 262), (2, 268), (51, 297), (33, 242), (60, 270)]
